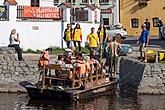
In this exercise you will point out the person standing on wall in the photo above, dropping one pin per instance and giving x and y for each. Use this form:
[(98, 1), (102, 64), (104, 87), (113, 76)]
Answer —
[(102, 33), (15, 42), (77, 36), (160, 24), (143, 41), (67, 35), (147, 23), (113, 48), (93, 40)]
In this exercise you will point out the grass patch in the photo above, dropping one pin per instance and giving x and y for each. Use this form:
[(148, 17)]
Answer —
[(163, 62), (56, 50), (32, 51), (85, 50)]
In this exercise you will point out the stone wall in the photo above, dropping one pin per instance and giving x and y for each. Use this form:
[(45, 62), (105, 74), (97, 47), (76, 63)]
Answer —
[(13, 73), (145, 78)]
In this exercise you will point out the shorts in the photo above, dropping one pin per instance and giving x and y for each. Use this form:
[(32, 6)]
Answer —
[(142, 47)]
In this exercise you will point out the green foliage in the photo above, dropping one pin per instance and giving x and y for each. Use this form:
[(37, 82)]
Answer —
[(30, 51), (55, 50), (85, 50), (163, 62)]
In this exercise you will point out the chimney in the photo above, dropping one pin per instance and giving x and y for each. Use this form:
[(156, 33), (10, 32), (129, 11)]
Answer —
[(89, 2), (98, 3)]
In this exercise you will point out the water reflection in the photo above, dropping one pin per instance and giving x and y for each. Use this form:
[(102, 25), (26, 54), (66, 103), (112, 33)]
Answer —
[(124, 102)]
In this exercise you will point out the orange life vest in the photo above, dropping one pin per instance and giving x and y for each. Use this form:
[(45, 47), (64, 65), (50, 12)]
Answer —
[(44, 59), (82, 66)]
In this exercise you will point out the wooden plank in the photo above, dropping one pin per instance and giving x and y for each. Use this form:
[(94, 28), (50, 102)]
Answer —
[(54, 66)]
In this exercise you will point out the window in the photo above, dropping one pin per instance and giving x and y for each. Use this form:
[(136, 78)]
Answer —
[(84, 1), (135, 23), (81, 15), (56, 1), (155, 21), (69, 1), (35, 3), (106, 21), (104, 1)]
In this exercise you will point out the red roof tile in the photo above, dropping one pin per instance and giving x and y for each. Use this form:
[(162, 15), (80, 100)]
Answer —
[(68, 5), (93, 7), (11, 2)]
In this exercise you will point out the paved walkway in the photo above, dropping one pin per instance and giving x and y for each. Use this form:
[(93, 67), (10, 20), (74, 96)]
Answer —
[(154, 44)]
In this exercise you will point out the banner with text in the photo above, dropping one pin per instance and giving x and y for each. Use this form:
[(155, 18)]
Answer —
[(3, 12), (41, 12)]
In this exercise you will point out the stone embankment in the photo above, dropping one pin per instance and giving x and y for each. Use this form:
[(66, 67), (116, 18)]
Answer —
[(13, 72), (145, 78), (135, 76)]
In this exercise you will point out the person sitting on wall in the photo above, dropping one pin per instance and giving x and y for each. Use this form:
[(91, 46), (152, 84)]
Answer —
[(15, 42)]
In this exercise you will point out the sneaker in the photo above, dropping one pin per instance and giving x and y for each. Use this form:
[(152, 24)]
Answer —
[(145, 61), (139, 58)]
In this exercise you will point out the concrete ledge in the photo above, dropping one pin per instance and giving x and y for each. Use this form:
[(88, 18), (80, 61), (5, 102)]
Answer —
[(144, 78)]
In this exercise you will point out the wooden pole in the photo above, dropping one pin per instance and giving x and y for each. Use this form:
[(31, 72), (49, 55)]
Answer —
[(101, 54)]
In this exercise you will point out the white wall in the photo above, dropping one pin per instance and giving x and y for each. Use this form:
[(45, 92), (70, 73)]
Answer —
[(98, 14), (48, 33), (44, 3), (115, 10), (24, 2), (1, 2)]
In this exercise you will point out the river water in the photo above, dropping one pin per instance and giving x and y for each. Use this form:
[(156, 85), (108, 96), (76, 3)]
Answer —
[(141, 102)]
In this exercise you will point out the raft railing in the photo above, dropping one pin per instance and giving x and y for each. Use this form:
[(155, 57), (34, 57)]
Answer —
[(76, 83)]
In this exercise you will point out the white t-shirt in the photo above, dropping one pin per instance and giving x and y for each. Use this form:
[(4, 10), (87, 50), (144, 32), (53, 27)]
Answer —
[(12, 39)]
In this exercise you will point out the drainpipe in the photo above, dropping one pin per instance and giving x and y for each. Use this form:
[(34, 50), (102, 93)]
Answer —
[(98, 3), (62, 31)]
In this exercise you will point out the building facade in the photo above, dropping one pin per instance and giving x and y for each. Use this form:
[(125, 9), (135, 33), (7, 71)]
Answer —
[(133, 13), (39, 25)]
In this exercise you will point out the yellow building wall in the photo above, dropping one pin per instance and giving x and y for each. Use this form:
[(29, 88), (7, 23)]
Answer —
[(130, 9)]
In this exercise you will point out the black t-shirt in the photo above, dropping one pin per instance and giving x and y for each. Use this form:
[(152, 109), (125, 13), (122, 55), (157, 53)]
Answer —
[(147, 25)]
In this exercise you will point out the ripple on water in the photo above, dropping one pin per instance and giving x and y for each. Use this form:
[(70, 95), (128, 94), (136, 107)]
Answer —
[(142, 102)]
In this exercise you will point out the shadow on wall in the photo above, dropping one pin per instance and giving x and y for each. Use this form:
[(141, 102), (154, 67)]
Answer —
[(129, 3), (136, 8), (131, 73)]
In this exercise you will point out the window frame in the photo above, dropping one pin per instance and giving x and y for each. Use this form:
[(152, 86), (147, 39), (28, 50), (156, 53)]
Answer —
[(81, 15), (34, 4), (84, 1), (104, 1), (107, 19), (69, 1), (155, 23), (136, 21), (56, 1)]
